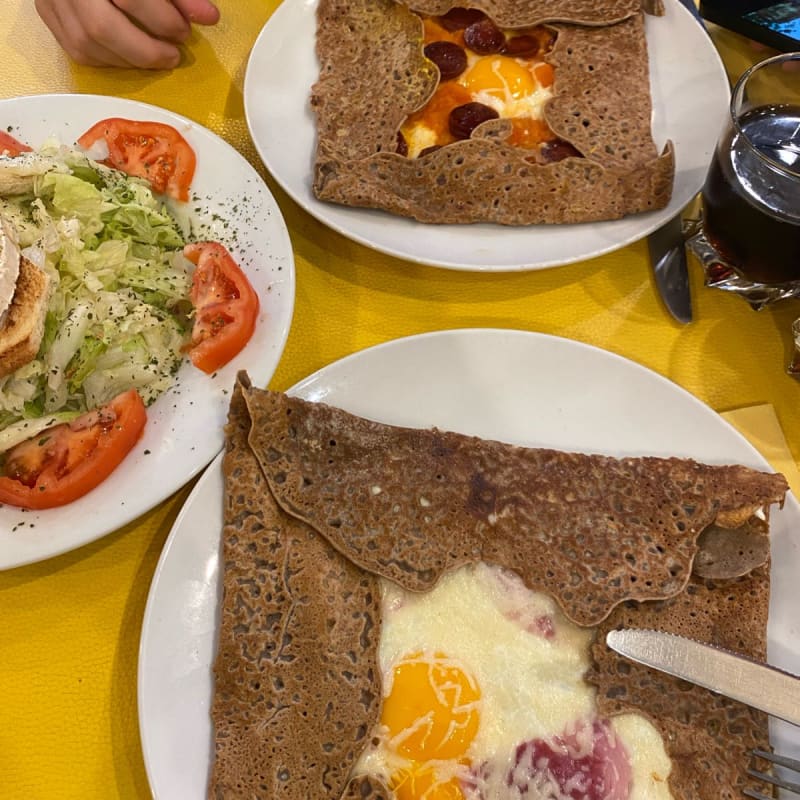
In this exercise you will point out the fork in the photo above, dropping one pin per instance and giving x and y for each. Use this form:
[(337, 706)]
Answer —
[(781, 761)]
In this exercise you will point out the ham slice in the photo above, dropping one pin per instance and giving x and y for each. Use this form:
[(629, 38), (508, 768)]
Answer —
[(586, 763)]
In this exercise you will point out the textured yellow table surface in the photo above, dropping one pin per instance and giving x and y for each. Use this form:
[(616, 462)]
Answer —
[(69, 627)]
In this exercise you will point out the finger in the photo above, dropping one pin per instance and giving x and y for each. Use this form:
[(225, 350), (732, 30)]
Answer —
[(113, 31), (72, 38), (97, 56), (160, 18), (202, 12), (140, 50)]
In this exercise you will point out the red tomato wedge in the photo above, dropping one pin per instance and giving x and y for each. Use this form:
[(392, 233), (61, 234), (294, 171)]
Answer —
[(150, 150), (226, 306), (11, 146), (63, 463)]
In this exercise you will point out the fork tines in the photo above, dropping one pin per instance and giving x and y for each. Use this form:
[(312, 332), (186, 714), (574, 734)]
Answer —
[(780, 761)]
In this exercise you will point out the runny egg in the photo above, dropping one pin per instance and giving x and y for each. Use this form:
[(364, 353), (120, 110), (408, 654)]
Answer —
[(515, 90), (510, 87), (431, 711), (430, 717), (484, 699)]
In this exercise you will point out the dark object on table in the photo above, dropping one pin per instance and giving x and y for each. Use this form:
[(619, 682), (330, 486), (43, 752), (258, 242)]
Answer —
[(775, 24)]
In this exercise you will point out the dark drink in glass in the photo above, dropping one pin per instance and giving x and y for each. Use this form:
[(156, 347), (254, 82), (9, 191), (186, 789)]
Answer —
[(748, 240), (751, 197)]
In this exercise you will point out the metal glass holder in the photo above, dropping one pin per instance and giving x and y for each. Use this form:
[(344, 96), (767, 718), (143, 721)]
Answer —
[(721, 275), (794, 367)]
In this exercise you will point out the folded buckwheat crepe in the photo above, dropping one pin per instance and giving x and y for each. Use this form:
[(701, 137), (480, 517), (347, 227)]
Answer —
[(323, 508), (375, 75)]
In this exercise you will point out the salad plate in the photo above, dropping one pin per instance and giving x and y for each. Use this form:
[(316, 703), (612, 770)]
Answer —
[(515, 386), (690, 94), (229, 203)]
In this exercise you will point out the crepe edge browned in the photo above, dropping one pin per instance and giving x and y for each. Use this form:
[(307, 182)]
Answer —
[(466, 182), (522, 13), (495, 485), (699, 727), (685, 764), (257, 708), (744, 630)]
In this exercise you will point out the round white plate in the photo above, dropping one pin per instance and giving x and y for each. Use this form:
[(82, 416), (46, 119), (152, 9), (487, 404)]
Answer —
[(690, 95), (230, 203), (516, 386)]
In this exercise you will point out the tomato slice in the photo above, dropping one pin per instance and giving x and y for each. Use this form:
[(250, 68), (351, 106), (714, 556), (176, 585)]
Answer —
[(226, 306), (150, 150), (12, 147), (63, 463)]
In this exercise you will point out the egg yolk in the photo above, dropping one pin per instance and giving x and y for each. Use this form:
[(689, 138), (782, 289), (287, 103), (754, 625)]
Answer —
[(500, 76), (420, 783), (432, 709)]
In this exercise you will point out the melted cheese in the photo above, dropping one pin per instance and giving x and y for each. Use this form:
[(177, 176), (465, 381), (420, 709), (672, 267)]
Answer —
[(649, 760), (526, 660), (516, 89), (419, 138), (507, 85)]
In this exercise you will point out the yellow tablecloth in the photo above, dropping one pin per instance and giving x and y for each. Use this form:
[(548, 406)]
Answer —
[(69, 627)]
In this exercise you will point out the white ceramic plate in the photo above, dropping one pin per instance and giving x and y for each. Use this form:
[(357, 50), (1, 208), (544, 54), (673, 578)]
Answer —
[(690, 95), (184, 427), (516, 386)]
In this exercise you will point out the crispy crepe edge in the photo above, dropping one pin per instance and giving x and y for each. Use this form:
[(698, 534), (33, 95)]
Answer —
[(483, 179), (703, 727)]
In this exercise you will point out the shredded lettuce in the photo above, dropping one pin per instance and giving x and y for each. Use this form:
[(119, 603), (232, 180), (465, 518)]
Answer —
[(118, 312)]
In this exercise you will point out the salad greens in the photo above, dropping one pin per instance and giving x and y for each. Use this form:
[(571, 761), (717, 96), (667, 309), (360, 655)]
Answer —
[(118, 313)]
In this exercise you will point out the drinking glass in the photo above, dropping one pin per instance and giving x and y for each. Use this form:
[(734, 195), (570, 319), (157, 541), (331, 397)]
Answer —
[(748, 239)]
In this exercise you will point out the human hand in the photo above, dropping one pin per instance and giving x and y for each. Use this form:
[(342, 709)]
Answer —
[(125, 33)]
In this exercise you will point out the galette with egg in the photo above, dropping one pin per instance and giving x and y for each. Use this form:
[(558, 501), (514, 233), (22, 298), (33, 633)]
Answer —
[(508, 112), (421, 615)]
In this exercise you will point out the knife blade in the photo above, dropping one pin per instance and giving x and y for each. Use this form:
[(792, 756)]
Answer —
[(759, 685), (670, 270)]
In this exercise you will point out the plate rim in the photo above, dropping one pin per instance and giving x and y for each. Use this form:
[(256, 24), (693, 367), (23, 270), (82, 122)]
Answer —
[(213, 471), (328, 214)]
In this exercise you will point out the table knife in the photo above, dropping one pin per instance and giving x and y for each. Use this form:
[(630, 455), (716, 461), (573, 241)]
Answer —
[(758, 685), (670, 270)]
